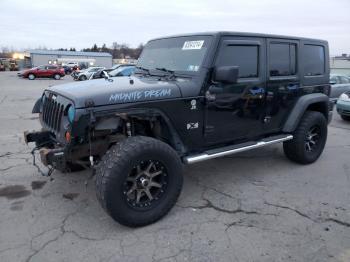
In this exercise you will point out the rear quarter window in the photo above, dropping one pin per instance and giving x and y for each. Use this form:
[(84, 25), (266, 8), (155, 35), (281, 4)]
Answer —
[(314, 60)]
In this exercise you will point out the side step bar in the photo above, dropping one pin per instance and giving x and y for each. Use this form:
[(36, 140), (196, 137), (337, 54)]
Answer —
[(228, 150)]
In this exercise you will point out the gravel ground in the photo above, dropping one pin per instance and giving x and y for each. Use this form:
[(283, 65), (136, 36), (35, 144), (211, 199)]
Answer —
[(256, 206)]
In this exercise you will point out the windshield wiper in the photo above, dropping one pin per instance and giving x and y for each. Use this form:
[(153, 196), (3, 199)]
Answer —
[(143, 69), (171, 72)]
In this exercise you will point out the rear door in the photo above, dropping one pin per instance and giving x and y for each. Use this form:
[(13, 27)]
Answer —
[(283, 82), (51, 70)]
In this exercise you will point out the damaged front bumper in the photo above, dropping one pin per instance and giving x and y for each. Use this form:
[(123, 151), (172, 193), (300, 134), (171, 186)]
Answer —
[(51, 155)]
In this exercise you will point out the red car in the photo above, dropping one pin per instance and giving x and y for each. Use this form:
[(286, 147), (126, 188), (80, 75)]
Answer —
[(49, 71)]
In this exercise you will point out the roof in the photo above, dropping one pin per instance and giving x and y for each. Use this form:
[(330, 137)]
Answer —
[(229, 33), (68, 53)]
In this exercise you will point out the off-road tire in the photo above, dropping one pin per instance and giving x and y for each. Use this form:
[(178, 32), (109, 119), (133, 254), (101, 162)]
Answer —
[(31, 76), (82, 78), (116, 165), (344, 117), (295, 149), (57, 76)]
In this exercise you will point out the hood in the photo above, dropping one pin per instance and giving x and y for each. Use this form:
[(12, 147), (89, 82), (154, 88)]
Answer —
[(121, 90)]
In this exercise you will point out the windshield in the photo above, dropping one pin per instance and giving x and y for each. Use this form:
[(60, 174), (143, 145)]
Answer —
[(179, 54)]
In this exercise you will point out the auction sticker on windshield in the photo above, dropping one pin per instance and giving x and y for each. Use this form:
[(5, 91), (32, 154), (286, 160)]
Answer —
[(193, 45)]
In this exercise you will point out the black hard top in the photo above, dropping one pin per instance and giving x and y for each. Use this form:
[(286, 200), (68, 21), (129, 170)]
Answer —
[(244, 34)]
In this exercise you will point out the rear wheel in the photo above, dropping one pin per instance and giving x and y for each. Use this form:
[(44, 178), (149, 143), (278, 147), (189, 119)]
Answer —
[(309, 139), (57, 76), (82, 78), (31, 76), (344, 117), (139, 180)]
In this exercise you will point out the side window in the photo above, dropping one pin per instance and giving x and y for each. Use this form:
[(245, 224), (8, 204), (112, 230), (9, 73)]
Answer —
[(314, 60), (282, 59), (244, 56), (126, 72), (51, 67)]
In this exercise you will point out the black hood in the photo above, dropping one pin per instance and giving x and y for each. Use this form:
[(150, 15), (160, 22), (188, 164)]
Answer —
[(120, 90)]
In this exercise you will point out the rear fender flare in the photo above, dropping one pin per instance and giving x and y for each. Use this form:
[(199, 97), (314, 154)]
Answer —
[(303, 103)]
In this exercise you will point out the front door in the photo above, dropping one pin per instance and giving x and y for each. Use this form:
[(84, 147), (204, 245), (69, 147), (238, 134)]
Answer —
[(236, 111)]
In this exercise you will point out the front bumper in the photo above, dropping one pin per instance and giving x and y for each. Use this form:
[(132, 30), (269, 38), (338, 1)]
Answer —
[(343, 107), (53, 157), (51, 154)]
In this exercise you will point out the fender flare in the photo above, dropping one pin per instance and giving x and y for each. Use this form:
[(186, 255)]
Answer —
[(301, 106), (37, 106), (151, 113), (176, 140)]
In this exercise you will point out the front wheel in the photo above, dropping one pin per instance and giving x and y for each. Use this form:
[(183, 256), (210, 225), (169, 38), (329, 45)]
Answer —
[(309, 139), (31, 76), (82, 78), (57, 77), (139, 180)]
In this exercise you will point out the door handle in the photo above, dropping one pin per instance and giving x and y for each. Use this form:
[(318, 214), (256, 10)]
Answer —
[(210, 97)]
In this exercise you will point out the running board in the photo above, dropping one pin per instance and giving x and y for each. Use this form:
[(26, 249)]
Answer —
[(228, 150)]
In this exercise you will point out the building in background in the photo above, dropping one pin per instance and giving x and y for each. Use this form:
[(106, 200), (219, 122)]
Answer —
[(34, 58), (340, 64), (125, 61)]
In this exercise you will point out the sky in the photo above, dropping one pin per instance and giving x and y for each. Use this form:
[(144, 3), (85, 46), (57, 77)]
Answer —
[(63, 24)]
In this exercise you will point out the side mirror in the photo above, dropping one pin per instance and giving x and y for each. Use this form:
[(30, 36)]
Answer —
[(332, 82), (226, 74)]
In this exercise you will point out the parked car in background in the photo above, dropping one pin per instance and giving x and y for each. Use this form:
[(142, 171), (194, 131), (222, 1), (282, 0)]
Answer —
[(343, 106), (67, 69), (339, 85), (119, 65), (48, 71), (85, 74), (121, 71), (72, 64)]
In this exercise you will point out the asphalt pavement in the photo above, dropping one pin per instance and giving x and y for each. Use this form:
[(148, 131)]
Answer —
[(253, 206)]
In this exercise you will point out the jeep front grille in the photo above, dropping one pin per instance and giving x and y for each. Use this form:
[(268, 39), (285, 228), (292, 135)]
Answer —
[(52, 114)]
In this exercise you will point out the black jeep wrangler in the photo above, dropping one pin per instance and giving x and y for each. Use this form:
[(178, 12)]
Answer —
[(192, 98)]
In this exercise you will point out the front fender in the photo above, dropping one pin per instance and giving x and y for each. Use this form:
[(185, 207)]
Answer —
[(37, 106)]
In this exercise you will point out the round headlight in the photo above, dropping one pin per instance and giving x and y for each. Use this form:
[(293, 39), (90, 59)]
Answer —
[(71, 113)]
